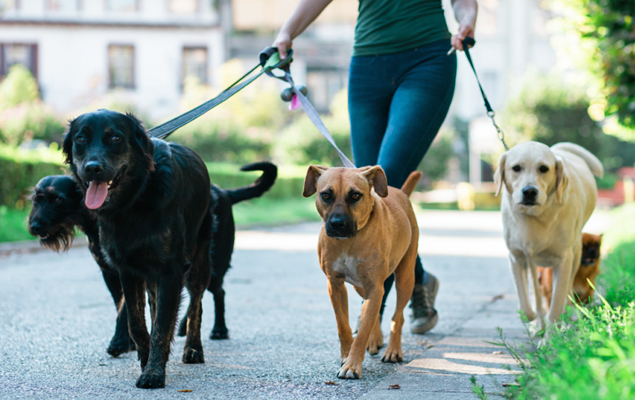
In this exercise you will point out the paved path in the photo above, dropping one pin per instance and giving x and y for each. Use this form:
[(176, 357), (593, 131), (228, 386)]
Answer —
[(56, 319)]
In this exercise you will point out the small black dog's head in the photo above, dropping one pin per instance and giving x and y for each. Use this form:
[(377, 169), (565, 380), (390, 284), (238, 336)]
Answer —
[(105, 148), (57, 208)]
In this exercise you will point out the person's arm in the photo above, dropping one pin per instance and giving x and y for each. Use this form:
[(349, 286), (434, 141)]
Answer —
[(465, 12), (305, 12)]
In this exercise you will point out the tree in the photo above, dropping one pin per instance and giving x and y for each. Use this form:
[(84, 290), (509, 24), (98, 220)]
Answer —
[(606, 30), (18, 87)]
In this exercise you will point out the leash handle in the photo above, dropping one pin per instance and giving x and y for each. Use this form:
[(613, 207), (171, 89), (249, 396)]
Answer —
[(467, 43), (270, 60)]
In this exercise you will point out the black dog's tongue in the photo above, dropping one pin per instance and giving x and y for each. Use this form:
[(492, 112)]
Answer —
[(96, 194)]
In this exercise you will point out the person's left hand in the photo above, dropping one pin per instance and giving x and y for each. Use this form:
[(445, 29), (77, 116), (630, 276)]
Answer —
[(466, 28)]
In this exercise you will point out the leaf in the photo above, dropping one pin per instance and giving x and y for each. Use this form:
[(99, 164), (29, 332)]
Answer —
[(395, 386)]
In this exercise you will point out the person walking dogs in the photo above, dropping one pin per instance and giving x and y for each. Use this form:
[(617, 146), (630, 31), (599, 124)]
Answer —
[(401, 83)]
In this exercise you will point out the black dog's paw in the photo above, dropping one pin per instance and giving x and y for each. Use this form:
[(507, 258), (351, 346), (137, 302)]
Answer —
[(219, 333), (193, 356), (151, 379), (120, 346), (182, 331)]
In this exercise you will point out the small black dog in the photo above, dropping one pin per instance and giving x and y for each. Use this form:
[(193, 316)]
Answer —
[(151, 199), (58, 208), (223, 241)]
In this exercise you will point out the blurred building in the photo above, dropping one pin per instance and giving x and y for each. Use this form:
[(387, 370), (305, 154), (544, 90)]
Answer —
[(80, 50)]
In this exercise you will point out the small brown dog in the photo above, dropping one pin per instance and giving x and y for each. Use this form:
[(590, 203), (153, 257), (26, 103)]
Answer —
[(589, 269), (366, 236)]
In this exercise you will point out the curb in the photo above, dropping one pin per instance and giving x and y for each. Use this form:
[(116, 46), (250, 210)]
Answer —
[(31, 246)]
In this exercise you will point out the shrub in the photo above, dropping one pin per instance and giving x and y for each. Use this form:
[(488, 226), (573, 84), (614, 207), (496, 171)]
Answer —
[(31, 120), (18, 87), (22, 169)]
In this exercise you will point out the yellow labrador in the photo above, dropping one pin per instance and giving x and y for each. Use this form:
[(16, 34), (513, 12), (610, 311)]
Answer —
[(549, 195)]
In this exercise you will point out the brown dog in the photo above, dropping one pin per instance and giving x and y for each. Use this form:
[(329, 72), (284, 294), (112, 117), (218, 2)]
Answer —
[(589, 269), (367, 235)]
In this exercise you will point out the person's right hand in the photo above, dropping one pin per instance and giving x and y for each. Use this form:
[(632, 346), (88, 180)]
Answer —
[(283, 42)]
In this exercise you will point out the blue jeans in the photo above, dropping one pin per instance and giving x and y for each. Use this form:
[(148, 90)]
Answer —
[(397, 103)]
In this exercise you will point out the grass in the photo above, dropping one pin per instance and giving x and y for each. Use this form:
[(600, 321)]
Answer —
[(257, 212), (593, 357), (13, 225)]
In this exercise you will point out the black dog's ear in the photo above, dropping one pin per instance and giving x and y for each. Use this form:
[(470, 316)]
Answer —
[(67, 145), (141, 141)]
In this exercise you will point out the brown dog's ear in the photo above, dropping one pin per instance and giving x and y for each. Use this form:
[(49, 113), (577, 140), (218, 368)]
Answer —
[(499, 175), (562, 180), (377, 179), (310, 181)]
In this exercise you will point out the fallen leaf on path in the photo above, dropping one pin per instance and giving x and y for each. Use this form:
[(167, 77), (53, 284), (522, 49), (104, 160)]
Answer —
[(498, 297), (511, 384), (331, 383), (497, 352), (184, 390), (394, 387)]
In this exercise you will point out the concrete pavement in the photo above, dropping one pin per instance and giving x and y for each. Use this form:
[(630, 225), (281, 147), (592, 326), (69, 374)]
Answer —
[(56, 319)]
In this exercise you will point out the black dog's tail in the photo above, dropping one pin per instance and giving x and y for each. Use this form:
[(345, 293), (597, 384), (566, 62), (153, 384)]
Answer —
[(260, 186)]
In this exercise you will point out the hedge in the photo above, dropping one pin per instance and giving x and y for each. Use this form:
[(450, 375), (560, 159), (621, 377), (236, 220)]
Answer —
[(20, 170)]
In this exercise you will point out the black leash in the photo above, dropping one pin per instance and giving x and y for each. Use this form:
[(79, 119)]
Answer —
[(467, 42), (165, 129)]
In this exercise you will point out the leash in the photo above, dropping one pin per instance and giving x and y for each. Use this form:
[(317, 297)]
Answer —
[(167, 128), (467, 42), (271, 53)]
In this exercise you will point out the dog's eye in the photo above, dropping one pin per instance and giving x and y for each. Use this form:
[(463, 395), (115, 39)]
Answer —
[(543, 169), (80, 139), (115, 138), (325, 196), (516, 168), (355, 196), (57, 199)]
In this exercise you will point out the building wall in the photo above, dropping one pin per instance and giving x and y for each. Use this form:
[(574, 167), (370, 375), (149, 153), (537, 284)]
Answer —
[(73, 50)]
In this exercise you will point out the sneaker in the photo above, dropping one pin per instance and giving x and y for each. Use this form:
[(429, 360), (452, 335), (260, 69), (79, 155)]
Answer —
[(424, 317)]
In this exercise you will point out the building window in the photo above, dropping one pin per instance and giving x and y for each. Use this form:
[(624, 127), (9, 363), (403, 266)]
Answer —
[(123, 5), (195, 63), (11, 54), (183, 6), (8, 5), (62, 5), (121, 66)]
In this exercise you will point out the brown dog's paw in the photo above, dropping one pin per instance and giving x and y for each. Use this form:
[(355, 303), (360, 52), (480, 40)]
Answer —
[(151, 379), (350, 371), (392, 355), (193, 356)]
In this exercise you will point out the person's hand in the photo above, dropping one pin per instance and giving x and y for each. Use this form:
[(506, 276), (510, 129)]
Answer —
[(283, 42), (466, 28)]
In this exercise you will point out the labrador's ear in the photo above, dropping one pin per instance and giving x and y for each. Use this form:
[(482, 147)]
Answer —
[(377, 179), (141, 141), (562, 179), (67, 145), (310, 181), (499, 175)]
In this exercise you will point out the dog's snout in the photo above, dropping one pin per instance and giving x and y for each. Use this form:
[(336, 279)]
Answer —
[(35, 227), (340, 225), (530, 193), (338, 221), (93, 168)]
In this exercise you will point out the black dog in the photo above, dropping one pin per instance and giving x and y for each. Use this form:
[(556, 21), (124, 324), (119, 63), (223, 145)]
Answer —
[(58, 208), (224, 233), (151, 199)]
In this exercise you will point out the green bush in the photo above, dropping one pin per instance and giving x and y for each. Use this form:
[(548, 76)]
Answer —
[(18, 87), (21, 170), (32, 120), (550, 111)]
